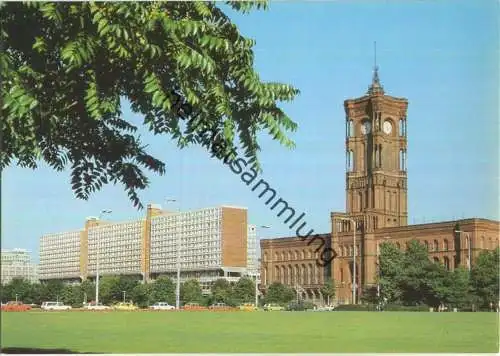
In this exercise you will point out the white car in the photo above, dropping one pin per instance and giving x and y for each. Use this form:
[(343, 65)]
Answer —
[(162, 306), (97, 307), (55, 306), (325, 308)]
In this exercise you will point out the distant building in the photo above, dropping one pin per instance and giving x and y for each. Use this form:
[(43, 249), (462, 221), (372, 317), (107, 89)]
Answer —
[(17, 263), (252, 254), (214, 243), (60, 256)]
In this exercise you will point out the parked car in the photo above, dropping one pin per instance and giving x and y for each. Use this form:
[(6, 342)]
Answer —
[(125, 306), (15, 306), (221, 307), (93, 306), (273, 307), (325, 308), (194, 306), (162, 306), (55, 306), (248, 307)]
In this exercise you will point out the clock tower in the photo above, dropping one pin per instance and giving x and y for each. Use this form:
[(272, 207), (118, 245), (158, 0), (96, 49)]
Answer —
[(376, 173)]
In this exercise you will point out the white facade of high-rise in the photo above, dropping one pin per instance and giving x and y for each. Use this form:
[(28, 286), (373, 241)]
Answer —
[(17, 263), (120, 248), (60, 256), (252, 256), (200, 237)]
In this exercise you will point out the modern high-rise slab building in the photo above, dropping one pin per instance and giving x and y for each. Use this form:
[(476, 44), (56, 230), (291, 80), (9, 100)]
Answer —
[(212, 243), (17, 263)]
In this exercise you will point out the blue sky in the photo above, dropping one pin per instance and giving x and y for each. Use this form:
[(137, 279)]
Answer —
[(442, 56)]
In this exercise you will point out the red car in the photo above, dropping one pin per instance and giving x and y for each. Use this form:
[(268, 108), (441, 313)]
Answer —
[(15, 306)]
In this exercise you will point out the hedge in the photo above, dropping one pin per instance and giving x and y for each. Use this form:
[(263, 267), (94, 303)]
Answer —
[(387, 307)]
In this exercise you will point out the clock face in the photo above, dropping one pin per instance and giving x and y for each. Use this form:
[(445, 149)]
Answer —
[(387, 127), (366, 128)]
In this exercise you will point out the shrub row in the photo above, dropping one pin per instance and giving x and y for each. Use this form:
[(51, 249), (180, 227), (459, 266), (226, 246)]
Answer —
[(388, 307)]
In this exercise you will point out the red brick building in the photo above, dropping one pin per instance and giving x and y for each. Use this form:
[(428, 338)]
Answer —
[(376, 203)]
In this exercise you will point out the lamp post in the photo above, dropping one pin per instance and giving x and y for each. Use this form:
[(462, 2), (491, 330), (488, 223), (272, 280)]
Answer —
[(354, 286), (124, 292), (16, 298), (178, 284), (256, 267), (103, 212), (467, 235)]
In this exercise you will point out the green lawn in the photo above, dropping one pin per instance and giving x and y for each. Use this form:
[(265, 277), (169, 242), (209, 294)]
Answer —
[(292, 332)]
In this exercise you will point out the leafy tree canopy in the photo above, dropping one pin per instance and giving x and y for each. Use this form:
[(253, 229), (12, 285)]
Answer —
[(485, 276), (191, 292), (68, 68), (328, 290), (279, 293)]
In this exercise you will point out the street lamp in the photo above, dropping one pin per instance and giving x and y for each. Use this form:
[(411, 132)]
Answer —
[(103, 212), (256, 266), (469, 261), (178, 284), (354, 286), (16, 298), (124, 296)]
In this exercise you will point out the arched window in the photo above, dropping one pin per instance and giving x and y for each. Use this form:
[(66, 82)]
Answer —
[(283, 256), (303, 255), (276, 256), (379, 165), (447, 263), (436, 245), (402, 160), (342, 275), (290, 256), (402, 127), (297, 275), (311, 275), (277, 274), (350, 250), (426, 244), (304, 275), (445, 245), (398, 245), (349, 160), (349, 128), (283, 275), (297, 255), (436, 260), (265, 256), (481, 242), (292, 276)]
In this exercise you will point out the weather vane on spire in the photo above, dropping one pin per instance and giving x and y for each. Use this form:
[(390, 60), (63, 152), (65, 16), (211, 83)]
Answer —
[(375, 87)]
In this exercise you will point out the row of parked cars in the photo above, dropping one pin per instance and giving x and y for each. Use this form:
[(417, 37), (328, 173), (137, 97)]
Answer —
[(59, 306), (297, 307)]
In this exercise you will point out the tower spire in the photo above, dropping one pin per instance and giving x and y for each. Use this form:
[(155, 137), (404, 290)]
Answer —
[(375, 88)]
